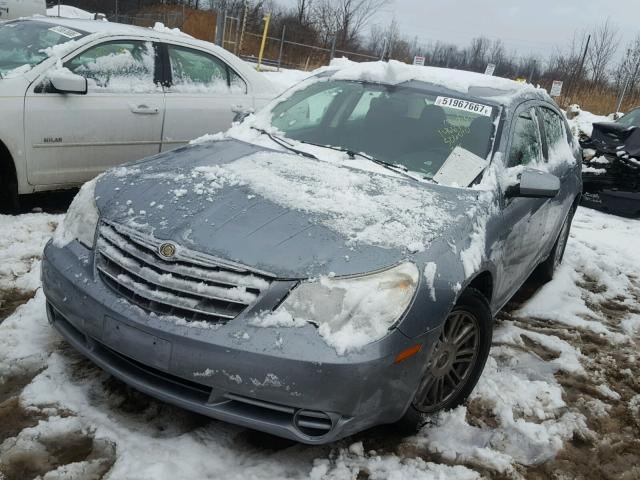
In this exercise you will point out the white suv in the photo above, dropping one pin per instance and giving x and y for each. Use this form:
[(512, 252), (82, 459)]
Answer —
[(80, 96)]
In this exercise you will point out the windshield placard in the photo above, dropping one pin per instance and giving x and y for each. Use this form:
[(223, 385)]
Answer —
[(65, 32), (461, 168), (466, 105)]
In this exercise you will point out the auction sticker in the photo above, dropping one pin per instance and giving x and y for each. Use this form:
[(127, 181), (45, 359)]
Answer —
[(465, 105), (65, 32)]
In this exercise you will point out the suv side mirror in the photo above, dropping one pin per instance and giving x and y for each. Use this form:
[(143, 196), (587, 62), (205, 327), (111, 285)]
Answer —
[(535, 184), (67, 82)]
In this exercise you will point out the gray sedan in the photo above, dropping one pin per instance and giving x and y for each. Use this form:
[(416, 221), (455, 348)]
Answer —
[(331, 263)]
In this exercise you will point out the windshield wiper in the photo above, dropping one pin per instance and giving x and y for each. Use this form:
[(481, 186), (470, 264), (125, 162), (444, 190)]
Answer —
[(401, 169), (284, 143)]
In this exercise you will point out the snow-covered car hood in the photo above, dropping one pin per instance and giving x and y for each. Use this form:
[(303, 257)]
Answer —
[(285, 214)]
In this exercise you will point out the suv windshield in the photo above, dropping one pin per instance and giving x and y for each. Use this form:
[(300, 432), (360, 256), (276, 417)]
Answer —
[(436, 136), (23, 43)]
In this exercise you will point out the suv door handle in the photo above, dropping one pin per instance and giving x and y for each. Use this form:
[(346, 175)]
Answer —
[(144, 110)]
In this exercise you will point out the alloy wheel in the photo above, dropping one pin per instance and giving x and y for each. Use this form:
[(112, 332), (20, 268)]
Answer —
[(451, 363)]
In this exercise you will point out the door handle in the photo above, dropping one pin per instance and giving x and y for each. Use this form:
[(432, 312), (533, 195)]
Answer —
[(144, 110)]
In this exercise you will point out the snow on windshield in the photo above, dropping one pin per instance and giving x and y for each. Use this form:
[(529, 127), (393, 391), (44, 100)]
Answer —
[(28, 43), (364, 208)]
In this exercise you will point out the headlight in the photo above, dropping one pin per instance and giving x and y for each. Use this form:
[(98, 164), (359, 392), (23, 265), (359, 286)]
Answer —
[(355, 311), (81, 219)]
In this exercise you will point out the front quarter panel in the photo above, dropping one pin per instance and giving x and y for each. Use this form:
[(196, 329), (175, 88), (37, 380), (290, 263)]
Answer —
[(12, 92)]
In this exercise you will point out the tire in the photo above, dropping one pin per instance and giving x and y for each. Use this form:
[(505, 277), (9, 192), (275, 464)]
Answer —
[(547, 269), (9, 200), (448, 366)]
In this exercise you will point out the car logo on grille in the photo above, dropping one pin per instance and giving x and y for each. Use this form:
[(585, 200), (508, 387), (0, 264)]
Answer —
[(167, 250)]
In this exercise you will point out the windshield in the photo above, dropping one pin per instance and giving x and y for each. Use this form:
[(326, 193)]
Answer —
[(631, 119), (433, 135), (23, 43)]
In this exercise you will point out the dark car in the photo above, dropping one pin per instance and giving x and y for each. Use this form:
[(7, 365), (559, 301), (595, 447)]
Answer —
[(611, 172), (334, 262)]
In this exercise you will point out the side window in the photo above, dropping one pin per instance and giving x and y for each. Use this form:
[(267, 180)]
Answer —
[(554, 128), (193, 71), (526, 147), (307, 113), (119, 66)]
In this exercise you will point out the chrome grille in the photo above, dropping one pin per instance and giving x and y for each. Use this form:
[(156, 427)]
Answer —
[(191, 286)]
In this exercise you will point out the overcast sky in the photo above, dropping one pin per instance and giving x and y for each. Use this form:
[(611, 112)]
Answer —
[(527, 26)]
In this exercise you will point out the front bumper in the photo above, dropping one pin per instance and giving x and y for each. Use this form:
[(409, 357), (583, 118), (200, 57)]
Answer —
[(284, 381)]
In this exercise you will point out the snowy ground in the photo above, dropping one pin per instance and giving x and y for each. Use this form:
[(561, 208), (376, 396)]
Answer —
[(560, 394), (559, 398)]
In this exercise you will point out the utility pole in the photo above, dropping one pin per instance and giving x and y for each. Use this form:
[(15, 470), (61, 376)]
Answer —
[(267, 19), (284, 29), (384, 49), (533, 69), (333, 47), (626, 85), (577, 76), (244, 26)]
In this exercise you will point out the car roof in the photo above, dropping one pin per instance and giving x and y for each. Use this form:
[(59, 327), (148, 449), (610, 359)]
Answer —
[(98, 26)]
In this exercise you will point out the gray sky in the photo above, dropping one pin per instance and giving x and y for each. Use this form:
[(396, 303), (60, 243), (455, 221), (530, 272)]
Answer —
[(527, 26)]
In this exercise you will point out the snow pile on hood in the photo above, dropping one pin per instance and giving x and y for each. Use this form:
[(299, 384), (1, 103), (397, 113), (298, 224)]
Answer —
[(372, 209)]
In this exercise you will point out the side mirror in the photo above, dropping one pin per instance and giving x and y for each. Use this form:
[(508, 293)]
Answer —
[(241, 112), (535, 184), (67, 82)]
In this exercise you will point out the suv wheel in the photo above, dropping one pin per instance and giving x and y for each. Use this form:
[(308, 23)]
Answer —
[(456, 362)]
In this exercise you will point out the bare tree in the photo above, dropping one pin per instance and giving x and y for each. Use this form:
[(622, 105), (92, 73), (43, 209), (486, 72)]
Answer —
[(303, 8), (346, 19), (604, 44), (478, 52)]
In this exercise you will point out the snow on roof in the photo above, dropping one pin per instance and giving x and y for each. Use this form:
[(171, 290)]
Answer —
[(394, 73), (67, 11), (111, 28)]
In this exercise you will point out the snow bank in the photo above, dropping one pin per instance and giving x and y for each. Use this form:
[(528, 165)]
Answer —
[(581, 121), (22, 239), (524, 418), (608, 261)]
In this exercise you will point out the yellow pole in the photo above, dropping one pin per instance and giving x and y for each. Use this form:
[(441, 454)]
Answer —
[(264, 39)]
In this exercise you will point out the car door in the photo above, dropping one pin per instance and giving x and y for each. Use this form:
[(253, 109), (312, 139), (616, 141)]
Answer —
[(201, 95), (70, 138), (522, 240), (561, 161)]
